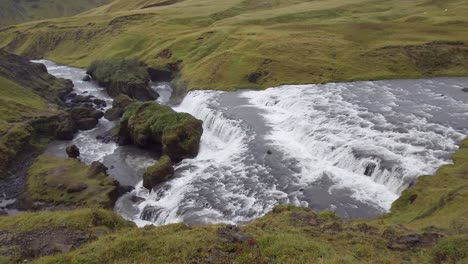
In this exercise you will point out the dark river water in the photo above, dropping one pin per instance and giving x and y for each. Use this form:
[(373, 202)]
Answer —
[(348, 147)]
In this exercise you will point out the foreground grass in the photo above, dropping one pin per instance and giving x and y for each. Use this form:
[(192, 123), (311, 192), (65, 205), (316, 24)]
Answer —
[(256, 44)]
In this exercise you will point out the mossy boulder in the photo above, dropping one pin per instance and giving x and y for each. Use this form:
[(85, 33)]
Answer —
[(121, 76), (118, 107), (67, 182), (157, 127), (158, 173)]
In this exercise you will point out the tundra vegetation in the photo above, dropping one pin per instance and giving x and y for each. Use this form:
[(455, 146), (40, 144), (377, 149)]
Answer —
[(228, 45), (234, 44)]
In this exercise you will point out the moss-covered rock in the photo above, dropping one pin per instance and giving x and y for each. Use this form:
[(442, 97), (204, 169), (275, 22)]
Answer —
[(158, 173), (68, 182), (157, 127), (121, 76)]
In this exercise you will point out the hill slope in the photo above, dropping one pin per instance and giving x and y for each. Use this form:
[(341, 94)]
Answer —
[(255, 44), (19, 11)]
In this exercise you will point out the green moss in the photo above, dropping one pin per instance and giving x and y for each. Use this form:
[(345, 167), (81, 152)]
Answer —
[(118, 70), (51, 179), (158, 126), (451, 250), (158, 173), (437, 200)]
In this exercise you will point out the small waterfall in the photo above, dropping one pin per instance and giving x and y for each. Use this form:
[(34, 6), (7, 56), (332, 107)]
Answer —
[(332, 126)]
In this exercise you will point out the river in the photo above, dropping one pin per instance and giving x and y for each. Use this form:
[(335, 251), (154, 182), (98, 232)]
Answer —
[(348, 147)]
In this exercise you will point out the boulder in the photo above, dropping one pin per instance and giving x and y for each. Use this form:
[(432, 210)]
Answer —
[(158, 173), (465, 90), (122, 101), (132, 78), (96, 168), (66, 128), (99, 102), (86, 118), (161, 129), (87, 123), (113, 114), (86, 78), (73, 151)]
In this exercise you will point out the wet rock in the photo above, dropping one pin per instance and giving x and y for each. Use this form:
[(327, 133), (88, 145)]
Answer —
[(96, 168), (66, 129), (73, 151), (370, 168), (77, 187), (86, 118), (87, 123), (269, 152), (158, 173), (465, 90), (87, 78), (233, 234), (136, 199), (99, 102), (113, 114), (160, 75), (81, 99)]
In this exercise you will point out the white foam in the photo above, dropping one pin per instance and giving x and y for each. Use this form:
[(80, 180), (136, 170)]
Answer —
[(331, 136)]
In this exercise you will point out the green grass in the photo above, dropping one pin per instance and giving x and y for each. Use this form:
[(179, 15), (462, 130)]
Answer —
[(49, 172), (14, 11), (236, 44)]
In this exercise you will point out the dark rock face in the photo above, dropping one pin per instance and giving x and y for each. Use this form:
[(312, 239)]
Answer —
[(465, 90), (87, 123), (73, 151), (161, 129), (66, 128), (86, 118), (158, 173), (113, 114), (160, 75), (96, 168)]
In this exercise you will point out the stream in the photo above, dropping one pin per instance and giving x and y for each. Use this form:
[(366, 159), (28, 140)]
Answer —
[(348, 147)]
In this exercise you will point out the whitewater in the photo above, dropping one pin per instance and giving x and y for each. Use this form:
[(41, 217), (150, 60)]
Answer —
[(348, 147)]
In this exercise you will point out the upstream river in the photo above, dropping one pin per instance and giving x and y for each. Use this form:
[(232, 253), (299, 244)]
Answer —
[(348, 147)]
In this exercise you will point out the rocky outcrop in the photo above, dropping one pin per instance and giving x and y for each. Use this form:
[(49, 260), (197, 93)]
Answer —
[(158, 173), (118, 107), (68, 182), (128, 77), (72, 151), (86, 118), (33, 76), (161, 129)]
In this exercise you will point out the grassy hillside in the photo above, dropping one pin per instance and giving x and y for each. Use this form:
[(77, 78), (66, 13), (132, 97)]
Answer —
[(19, 11), (28, 109), (232, 44)]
